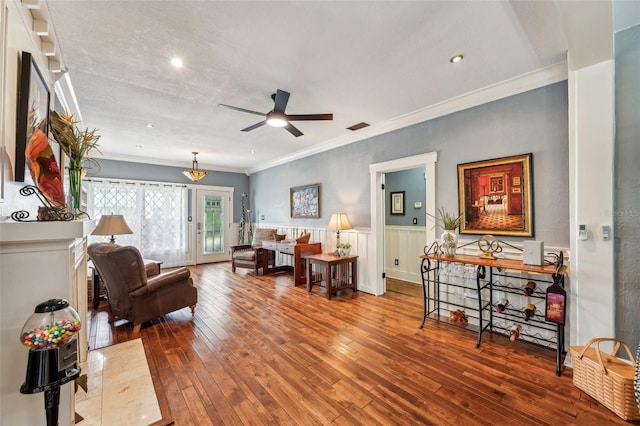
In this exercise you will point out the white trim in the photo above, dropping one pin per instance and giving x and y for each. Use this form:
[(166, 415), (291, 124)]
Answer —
[(523, 83), (67, 96), (174, 163), (377, 171)]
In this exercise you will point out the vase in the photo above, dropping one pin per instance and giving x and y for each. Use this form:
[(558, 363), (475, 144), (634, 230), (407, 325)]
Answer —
[(344, 252), (449, 243), (75, 188)]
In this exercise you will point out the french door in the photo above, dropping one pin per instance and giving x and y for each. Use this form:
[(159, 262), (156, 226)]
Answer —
[(213, 225)]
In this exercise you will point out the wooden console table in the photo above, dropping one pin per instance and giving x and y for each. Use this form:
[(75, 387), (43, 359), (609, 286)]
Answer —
[(337, 272), (295, 250)]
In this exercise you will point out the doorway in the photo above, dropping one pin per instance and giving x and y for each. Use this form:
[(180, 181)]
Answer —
[(376, 262), (213, 225)]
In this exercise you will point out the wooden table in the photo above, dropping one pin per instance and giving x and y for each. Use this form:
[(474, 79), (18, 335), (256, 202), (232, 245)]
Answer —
[(297, 251), (335, 273)]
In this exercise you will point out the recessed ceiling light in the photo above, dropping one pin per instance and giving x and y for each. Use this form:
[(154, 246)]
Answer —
[(456, 59), (139, 146), (149, 125), (253, 151), (176, 62)]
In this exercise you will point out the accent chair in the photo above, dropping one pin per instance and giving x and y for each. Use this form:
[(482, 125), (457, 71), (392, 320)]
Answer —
[(133, 294)]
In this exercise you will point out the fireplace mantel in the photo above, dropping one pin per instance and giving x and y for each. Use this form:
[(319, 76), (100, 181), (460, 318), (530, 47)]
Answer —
[(25, 232), (38, 261)]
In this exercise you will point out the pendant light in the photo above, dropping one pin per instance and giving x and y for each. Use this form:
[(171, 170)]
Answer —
[(194, 174)]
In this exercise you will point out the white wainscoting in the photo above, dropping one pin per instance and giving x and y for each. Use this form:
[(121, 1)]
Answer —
[(405, 243), (358, 238)]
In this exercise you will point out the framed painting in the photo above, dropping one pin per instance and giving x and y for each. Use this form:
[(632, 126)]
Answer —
[(33, 150), (33, 111), (496, 196), (305, 201), (397, 203)]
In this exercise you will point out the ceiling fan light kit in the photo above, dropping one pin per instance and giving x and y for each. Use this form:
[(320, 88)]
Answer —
[(277, 117), (194, 174)]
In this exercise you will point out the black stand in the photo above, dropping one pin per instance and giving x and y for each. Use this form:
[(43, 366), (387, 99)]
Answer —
[(51, 404)]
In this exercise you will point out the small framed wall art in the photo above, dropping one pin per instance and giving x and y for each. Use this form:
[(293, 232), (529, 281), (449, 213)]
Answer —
[(305, 201), (397, 203)]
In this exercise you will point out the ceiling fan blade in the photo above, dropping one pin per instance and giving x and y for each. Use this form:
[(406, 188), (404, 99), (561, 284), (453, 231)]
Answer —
[(293, 130), (255, 126), (243, 110), (281, 100), (307, 117)]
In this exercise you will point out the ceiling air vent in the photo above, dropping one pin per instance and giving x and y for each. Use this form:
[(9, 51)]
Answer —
[(358, 126)]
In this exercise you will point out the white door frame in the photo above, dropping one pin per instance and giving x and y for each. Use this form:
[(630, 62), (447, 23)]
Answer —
[(377, 171)]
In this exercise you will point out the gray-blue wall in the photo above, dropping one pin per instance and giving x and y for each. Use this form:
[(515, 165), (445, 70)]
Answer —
[(413, 184), (157, 173), (627, 202), (534, 121)]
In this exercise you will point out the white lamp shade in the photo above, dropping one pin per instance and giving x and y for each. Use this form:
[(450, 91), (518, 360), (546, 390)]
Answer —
[(112, 224), (339, 222)]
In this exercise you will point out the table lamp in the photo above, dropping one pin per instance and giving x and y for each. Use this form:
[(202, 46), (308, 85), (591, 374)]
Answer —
[(112, 224), (339, 222)]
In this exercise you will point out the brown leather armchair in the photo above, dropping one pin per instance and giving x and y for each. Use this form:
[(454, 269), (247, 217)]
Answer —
[(253, 256), (135, 296)]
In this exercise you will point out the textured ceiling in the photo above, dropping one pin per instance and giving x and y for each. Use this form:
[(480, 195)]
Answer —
[(361, 61)]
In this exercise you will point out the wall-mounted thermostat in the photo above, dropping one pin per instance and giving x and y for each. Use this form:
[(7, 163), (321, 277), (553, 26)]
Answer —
[(417, 205)]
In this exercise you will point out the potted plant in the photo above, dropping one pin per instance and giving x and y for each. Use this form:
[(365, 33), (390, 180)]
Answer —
[(449, 223), (344, 249), (76, 144)]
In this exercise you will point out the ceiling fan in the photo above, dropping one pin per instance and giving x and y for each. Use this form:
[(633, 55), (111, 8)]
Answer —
[(277, 117)]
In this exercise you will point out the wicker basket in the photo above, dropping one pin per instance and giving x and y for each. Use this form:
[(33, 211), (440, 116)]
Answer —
[(606, 378)]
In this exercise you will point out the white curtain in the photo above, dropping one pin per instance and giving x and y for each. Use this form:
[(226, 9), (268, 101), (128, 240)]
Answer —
[(156, 213)]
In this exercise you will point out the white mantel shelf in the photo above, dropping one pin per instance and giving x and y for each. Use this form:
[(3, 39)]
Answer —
[(22, 232)]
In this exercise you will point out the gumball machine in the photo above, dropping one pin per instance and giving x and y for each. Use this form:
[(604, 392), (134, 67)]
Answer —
[(50, 333)]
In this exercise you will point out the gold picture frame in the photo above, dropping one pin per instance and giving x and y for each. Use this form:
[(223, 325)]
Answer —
[(496, 196)]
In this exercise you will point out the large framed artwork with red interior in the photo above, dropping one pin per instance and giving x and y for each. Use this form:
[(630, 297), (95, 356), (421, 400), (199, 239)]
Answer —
[(33, 150), (496, 196)]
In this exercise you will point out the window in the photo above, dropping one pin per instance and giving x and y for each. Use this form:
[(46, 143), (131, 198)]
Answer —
[(157, 214)]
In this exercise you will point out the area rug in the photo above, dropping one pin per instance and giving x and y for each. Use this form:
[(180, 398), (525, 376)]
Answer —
[(120, 389)]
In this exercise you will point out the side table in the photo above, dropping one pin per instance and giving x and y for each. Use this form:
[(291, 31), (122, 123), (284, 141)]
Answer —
[(95, 281), (334, 273)]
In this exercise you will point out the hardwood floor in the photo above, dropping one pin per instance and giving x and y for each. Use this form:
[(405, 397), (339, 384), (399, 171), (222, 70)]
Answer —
[(260, 351)]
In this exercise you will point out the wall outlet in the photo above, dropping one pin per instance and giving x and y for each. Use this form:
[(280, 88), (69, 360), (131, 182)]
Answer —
[(415, 220), (396, 262)]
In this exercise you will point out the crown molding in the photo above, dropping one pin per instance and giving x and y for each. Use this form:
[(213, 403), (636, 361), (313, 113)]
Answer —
[(520, 84), (174, 163)]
